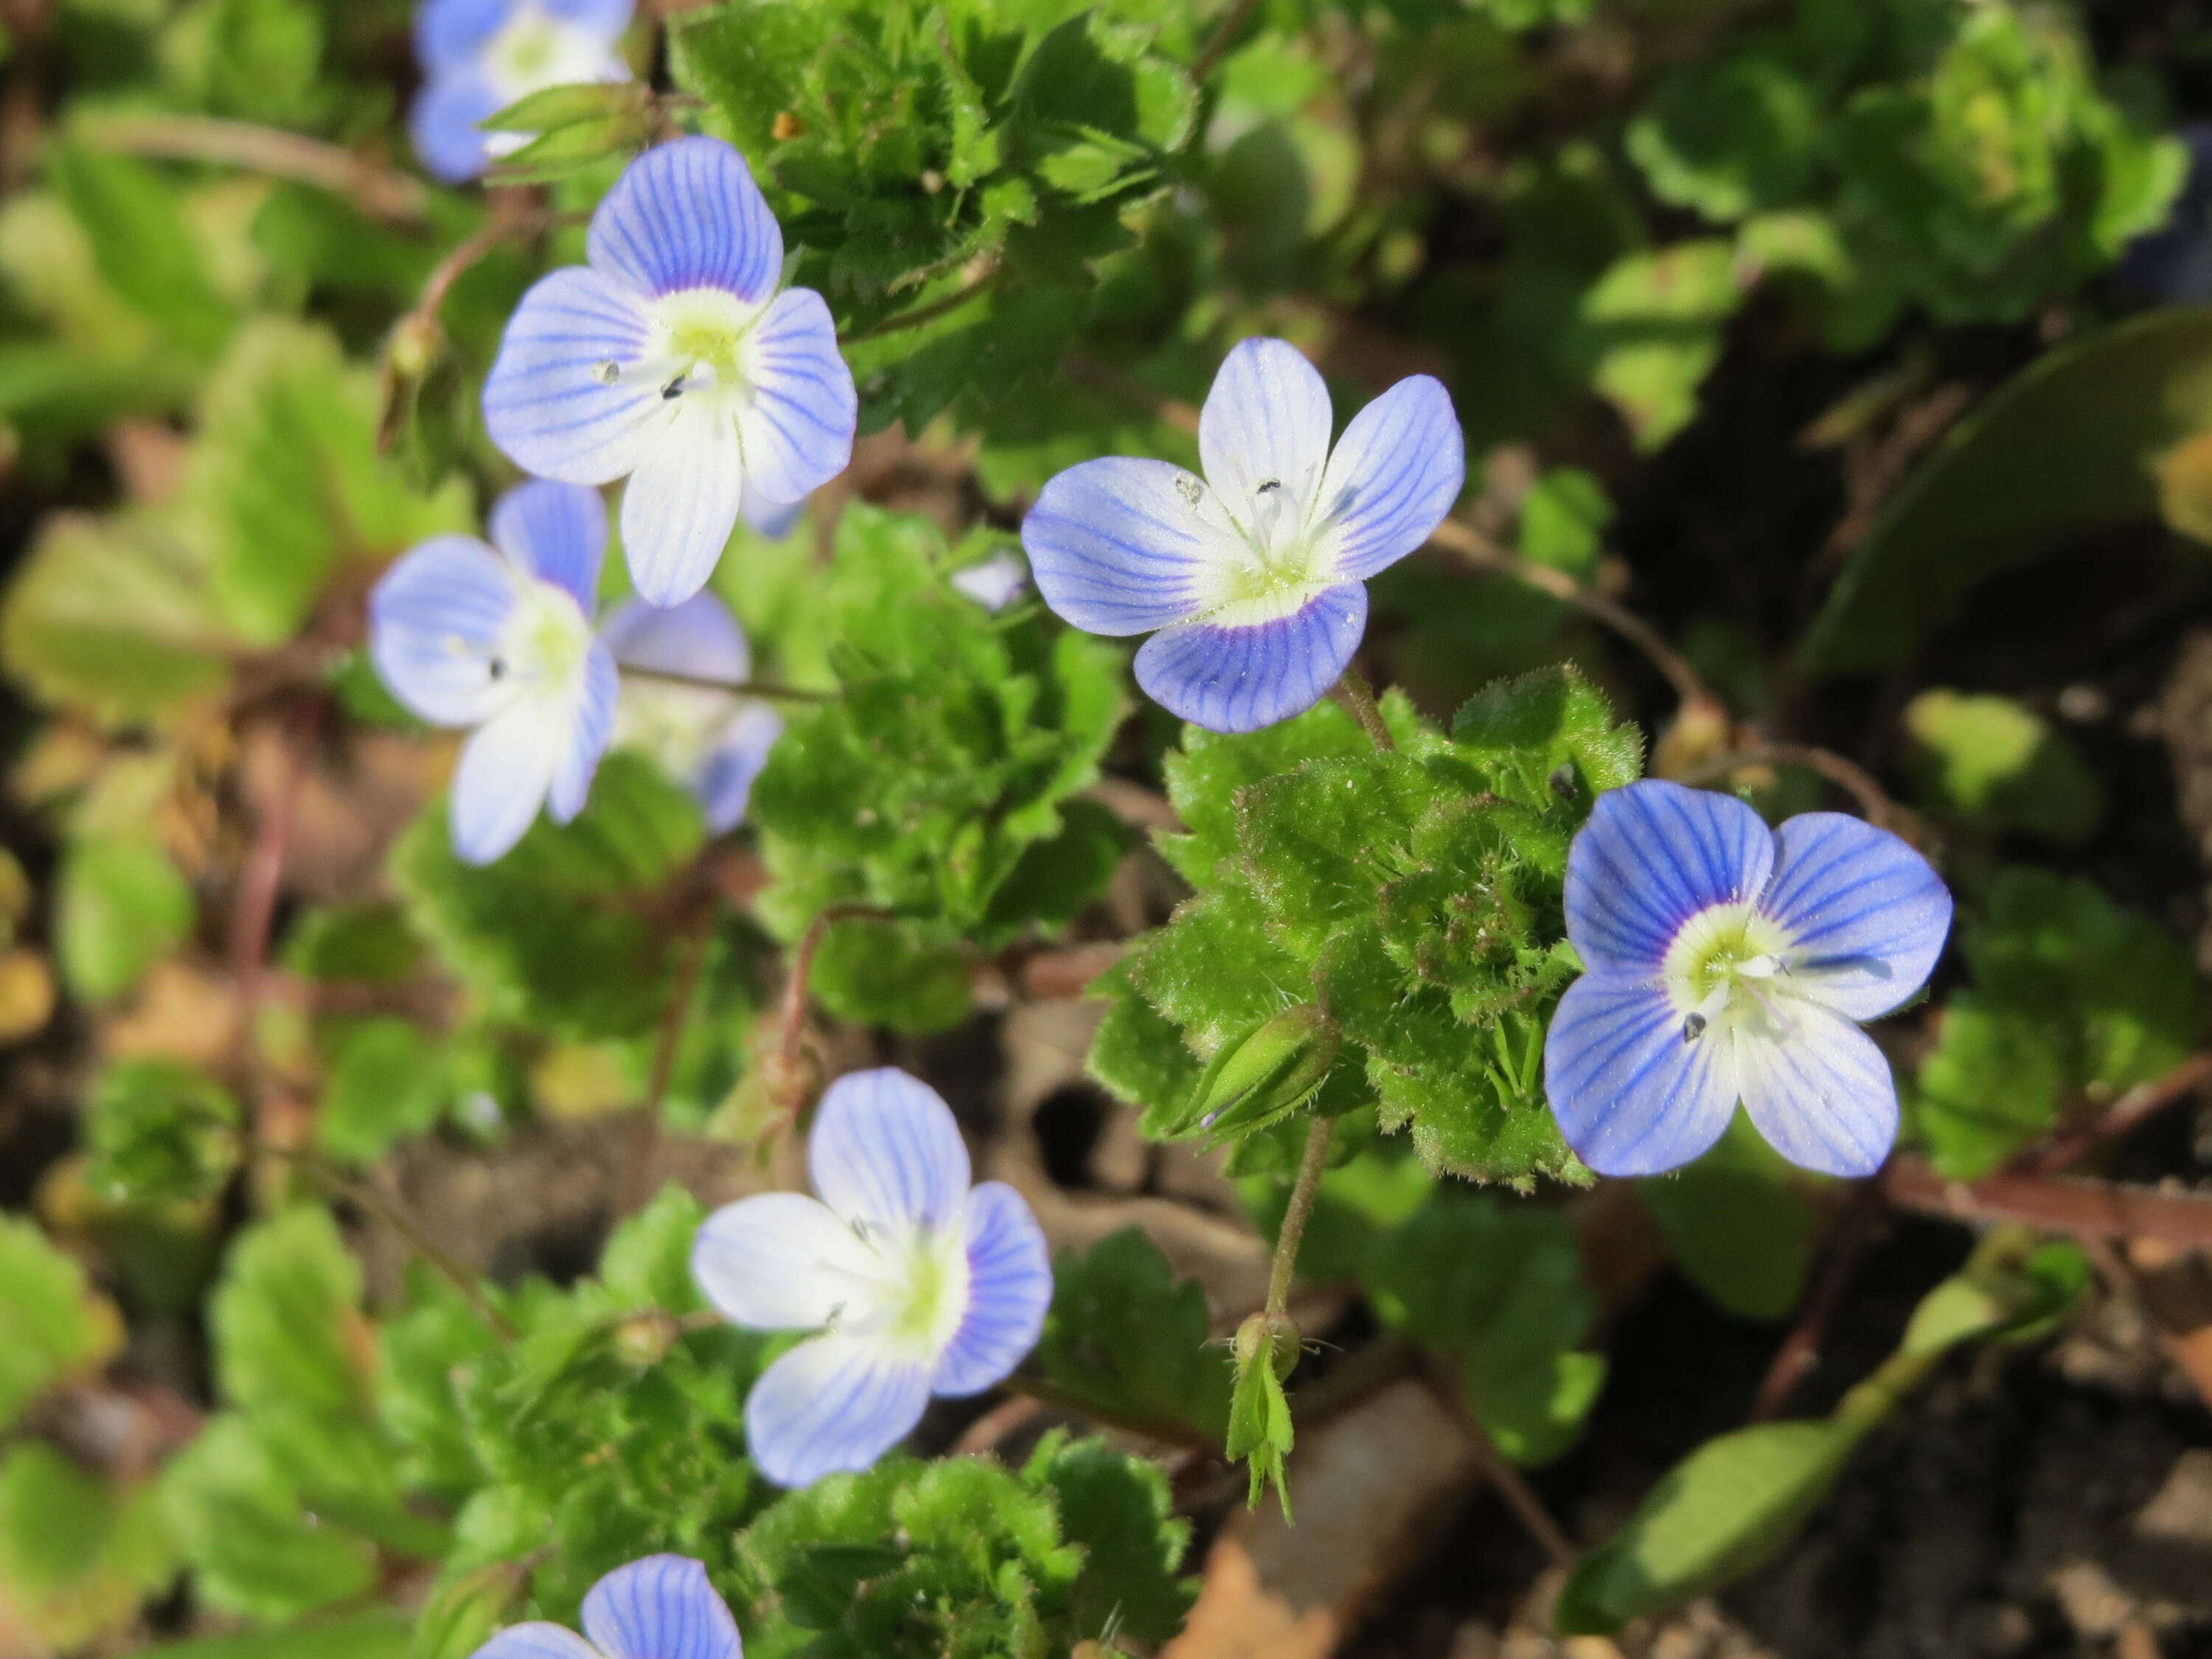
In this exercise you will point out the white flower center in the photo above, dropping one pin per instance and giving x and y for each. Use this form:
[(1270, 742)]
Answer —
[(913, 1295), (541, 652), (698, 355), (679, 726), (1730, 971), (534, 50), (1268, 564)]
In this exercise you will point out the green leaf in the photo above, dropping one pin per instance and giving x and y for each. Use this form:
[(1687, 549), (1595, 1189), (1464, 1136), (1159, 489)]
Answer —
[(1995, 761), (1501, 1286), (909, 975), (1126, 1335), (115, 617), (1138, 1054), (1740, 1226), (1650, 330), (77, 1555), (1320, 842), (287, 1318), (2069, 444), (1721, 1512), (1523, 730), (387, 1080), (648, 1261), (52, 1326), (1564, 518), (122, 906), (159, 1133), (1728, 137), (1996, 1079), (1120, 1512), (368, 943), (557, 935), (144, 247), (378, 1634)]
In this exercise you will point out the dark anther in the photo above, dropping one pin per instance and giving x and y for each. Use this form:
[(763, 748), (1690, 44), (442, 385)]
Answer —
[(1267, 485), (1694, 1027), (498, 667), (674, 389)]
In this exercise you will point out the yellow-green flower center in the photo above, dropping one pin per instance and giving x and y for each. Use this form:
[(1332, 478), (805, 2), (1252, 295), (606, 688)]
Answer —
[(1728, 961)]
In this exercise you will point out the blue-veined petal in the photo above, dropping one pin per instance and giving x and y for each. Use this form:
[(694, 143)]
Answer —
[(1866, 913), (698, 639), (1009, 1288), (451, 34), (772, 520), (884, 1149), (1652, 855), (727, 776), (558, 533), (688, 215), (1239, 679), (1266, 422), (995, 583), (436, 619), (536, 1640), (1121, 545), (833, 1403), (506, 769), (781, 1262), (546, 402), (1395, 473), (680, 506), (443, 125), (1632, 1095), (591, 727), (796, 425), (660, 1607), (1819, 1089)]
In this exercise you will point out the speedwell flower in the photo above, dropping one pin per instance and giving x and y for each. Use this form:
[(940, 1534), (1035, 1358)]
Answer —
[(660, 1607), (918, 1283), (671, 360), (500, 638), (1254, 573), (480, 56), (1731, 962), (714, 742)]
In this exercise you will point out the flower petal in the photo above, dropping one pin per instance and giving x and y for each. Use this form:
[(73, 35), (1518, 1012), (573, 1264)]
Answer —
[(1239, 679), (833, 1403), (698, 639), (994, 583), (1652, 855), (772, 520), (796, 427), (557, 532), (1632, 1094), (884, 1149), (1009, 1288), (661, 1607), (1820, 1092), (679, 507), (506, 769), (451, 34), (591, 728), (1867, 915), (1266, 422), (1124, 546), (436, 621), (1395, 473), (725, 784), (781, 1262), (607, 19), (536, 1640), (544, 403), (688, 215), (443, 125)]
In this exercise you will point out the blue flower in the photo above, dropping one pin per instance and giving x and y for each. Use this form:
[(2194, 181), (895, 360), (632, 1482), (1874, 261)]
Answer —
[(480, 56), (661, 1607), (1253, 575), (1729, 962), (671, 360), (500, 638), (715, 743), (918, 1283)]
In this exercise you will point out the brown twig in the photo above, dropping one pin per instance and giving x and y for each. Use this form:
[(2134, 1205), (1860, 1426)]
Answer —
[(791, 1048), (2083, 1208), (1873, 802), (1484, 554), (1050, 1395), (2138, 1105), (379, 192), (260, 882), (1512, 1486), (943, 305), (1224, 37), (768, 688), (644, 1133), (1356, 698), (1800, 1349)]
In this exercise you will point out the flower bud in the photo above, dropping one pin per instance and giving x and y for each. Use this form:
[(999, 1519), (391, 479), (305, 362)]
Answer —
[(1267, 1073)]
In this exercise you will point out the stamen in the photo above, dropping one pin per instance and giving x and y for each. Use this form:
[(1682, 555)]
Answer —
[(1694, 1027), (497, 668), (606, 371)]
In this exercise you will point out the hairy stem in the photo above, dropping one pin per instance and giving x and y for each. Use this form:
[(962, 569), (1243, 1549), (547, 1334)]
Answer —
[(802, 965), (379, 192), (768, 688), (1357, 700), (1302, 1191), (943, 305)]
